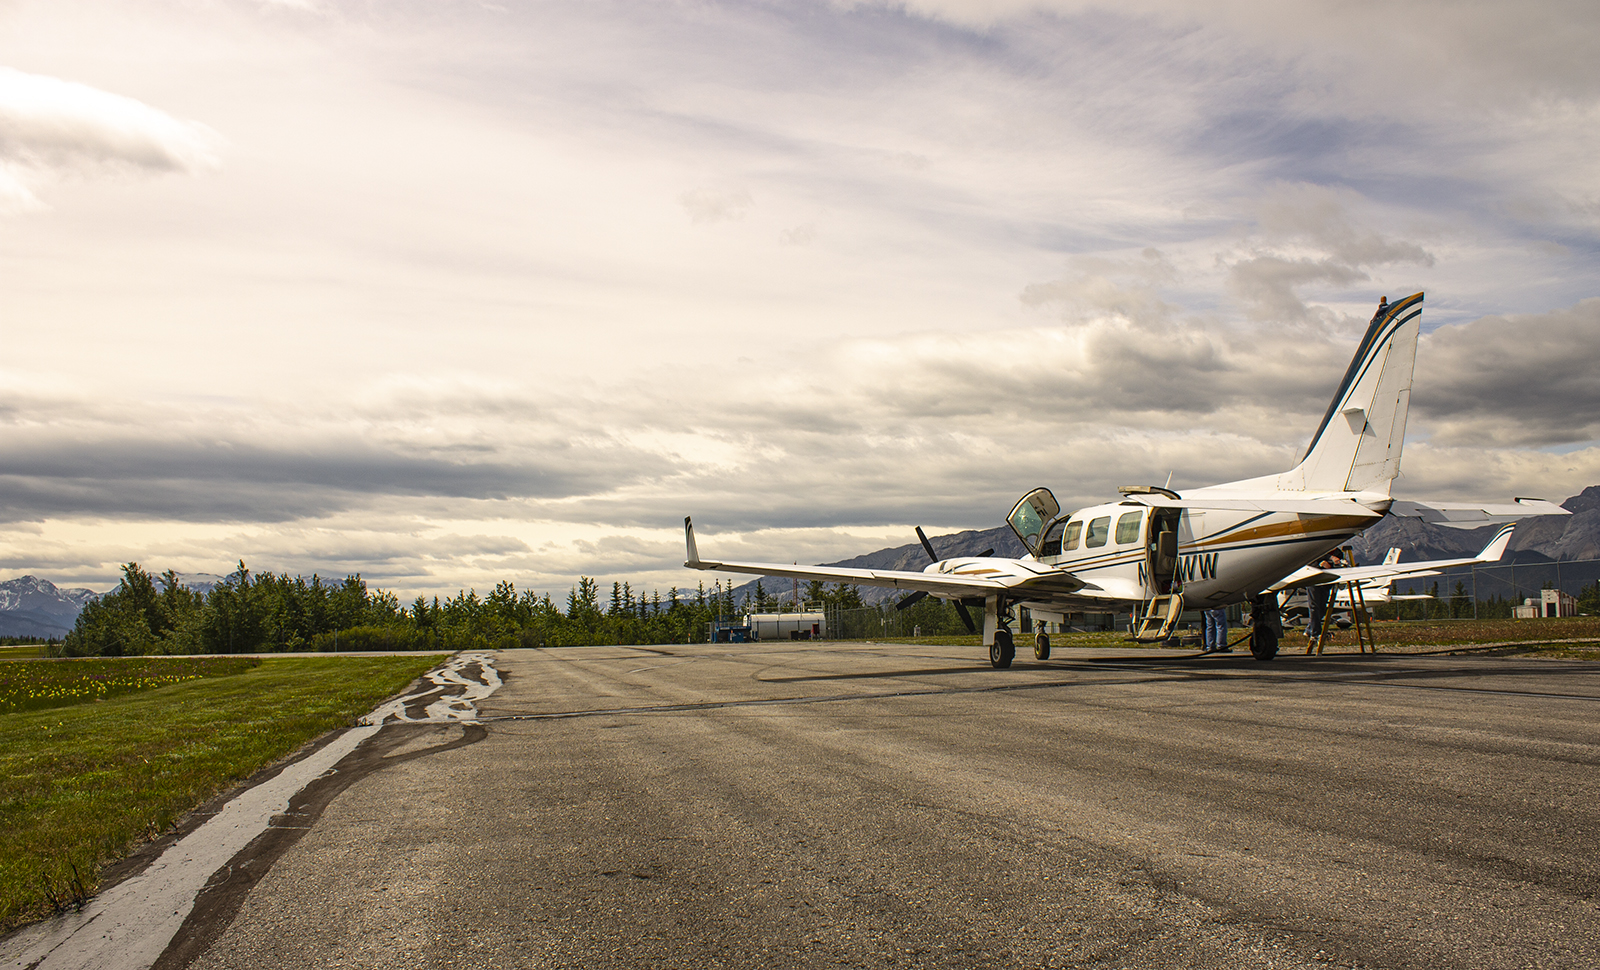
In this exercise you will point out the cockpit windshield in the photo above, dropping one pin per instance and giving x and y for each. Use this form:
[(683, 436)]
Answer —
[(1032, 513)]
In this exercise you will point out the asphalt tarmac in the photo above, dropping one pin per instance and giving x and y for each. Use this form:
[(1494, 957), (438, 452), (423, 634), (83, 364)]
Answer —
[(828, 805)]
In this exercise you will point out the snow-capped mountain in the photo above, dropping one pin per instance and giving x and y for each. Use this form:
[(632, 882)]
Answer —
[(34, 607)]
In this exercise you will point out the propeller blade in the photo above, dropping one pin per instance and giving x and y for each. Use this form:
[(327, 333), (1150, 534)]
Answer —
[(911, 600), (961, 608)]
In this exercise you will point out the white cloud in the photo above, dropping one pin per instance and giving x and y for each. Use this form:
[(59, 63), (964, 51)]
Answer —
[(712, 205), (53, 127), (486, 293)]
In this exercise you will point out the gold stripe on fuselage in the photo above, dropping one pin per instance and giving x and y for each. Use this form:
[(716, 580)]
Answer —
[(1299, 527)]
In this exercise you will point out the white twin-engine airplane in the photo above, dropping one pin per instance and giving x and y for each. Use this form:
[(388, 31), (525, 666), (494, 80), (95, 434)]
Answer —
[(1157, 551)]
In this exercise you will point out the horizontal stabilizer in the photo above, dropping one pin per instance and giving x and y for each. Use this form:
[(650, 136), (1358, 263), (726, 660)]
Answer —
[(1473, 515)]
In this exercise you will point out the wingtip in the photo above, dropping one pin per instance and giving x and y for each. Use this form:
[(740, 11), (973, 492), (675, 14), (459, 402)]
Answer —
[(1496, 549), (688, 539)]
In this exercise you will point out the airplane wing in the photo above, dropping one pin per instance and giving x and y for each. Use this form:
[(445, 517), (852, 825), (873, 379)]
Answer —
[(955, 578), (1468, 515), (1312, 576)]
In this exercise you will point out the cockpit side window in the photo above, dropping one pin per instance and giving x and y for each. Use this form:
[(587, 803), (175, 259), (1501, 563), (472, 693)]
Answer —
[(1051, 546), (1128, 527), (1070, 539), (1099, 532)]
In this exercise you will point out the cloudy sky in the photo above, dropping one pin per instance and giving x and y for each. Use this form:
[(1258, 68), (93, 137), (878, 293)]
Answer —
[(450, 292)]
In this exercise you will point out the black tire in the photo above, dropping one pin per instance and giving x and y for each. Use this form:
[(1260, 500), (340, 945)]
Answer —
[(1002, 651), (1263, 642), (1041, 647)]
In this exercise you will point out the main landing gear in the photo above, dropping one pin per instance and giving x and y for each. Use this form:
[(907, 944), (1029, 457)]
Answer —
[(1266, 628), (1003, 650), (997, 618)]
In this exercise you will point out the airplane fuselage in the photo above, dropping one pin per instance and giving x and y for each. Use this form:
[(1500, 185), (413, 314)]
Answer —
[(1219, 556)]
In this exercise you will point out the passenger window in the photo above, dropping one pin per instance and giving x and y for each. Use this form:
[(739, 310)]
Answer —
[(1099, 532), (1128, 527), (1070, 540)]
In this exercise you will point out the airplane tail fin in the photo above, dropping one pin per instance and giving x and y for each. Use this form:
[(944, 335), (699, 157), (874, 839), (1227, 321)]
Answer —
[(1393, 556), (1357, 446)]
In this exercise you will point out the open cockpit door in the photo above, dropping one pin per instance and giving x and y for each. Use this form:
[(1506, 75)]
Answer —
[(1031, 516)]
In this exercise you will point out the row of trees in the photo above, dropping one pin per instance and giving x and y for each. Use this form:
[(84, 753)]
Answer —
[(250, 613)]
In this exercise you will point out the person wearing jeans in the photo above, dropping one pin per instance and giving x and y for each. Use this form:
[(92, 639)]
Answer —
[(1215, 631)]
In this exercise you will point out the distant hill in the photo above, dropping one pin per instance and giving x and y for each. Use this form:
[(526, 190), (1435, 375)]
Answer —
[(34, 607), (1539, 539)]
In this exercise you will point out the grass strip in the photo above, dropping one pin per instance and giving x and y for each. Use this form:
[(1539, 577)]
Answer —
[(34, 685), (82, 786)]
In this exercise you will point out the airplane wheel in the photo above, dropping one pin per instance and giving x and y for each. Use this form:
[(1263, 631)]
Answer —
[(1041, 647), (1002, 651), (1263, 642)]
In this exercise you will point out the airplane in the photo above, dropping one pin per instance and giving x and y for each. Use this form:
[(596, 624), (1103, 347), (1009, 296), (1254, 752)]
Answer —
[(1375, 583), (1157, 551)]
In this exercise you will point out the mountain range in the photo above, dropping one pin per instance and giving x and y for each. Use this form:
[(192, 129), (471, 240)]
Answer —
[(34, 607), (1539, 539)]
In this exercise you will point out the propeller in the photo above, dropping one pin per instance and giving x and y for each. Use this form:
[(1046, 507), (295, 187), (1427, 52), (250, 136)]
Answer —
[(916, 597)]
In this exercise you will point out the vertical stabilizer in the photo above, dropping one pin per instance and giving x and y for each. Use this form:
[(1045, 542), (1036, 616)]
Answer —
[(1357, 446)]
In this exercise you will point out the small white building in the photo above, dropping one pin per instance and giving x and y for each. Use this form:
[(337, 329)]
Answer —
[(1551, 602)]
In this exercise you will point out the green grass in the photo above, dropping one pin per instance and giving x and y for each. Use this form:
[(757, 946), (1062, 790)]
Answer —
[(83, 785), (22, 651), (1452, 632), (35, 685)]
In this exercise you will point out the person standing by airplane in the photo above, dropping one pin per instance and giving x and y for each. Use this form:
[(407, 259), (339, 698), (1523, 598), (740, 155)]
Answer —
[(1214, 632), (1322, 598)]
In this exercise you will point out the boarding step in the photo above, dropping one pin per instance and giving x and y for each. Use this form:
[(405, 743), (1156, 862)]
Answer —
[(1160, 616)]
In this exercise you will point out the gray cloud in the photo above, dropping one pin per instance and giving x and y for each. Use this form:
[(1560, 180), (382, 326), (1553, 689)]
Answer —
[(134, 478), (1514, 53), (1525, 380)]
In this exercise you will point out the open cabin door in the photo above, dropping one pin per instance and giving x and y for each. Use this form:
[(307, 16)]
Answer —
[(1161, 551), (1031, 516), (1164, 601)]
